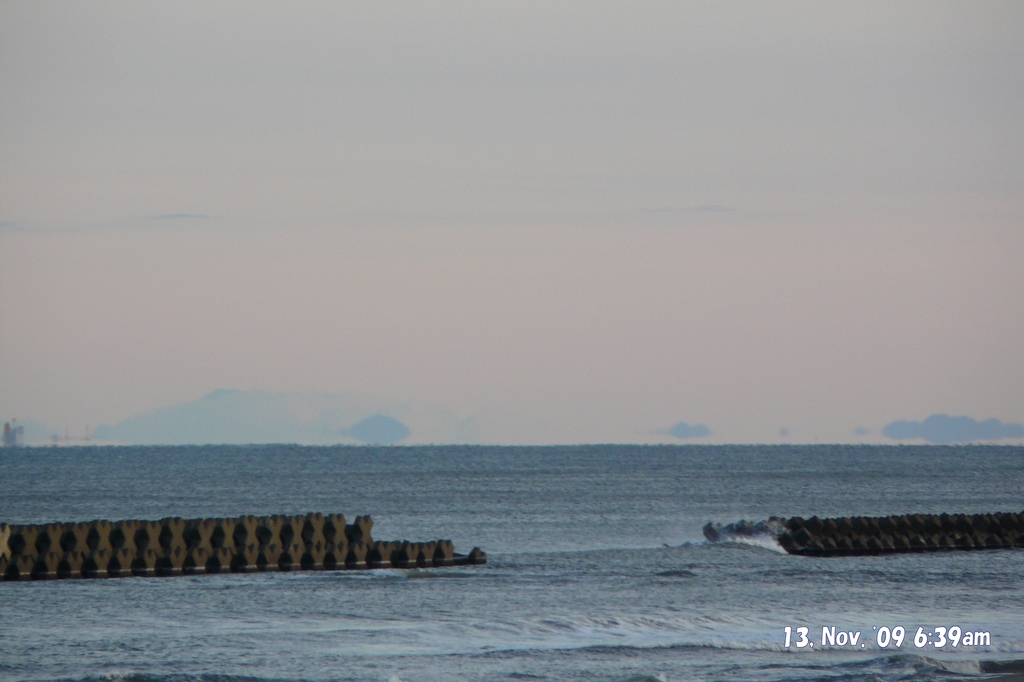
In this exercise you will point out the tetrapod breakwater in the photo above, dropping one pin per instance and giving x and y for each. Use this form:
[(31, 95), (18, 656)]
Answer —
[(866, 535), (177, 546)]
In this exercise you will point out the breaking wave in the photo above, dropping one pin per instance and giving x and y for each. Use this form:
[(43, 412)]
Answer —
[(760, 534)]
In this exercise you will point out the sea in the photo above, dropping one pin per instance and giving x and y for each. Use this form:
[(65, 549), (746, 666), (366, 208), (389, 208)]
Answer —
[(597, 567)]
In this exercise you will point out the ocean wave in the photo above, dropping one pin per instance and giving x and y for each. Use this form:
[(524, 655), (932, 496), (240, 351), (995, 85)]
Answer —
[(909, 667), (767, 542), (763, 534), (661, 632), (133, 676), (892, 667), (566, 632), (1007, 667)]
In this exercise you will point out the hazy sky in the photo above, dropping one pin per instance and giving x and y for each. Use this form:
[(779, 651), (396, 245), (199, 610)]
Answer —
[(577, 221)]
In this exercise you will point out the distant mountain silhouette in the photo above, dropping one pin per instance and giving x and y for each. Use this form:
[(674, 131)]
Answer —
[(380, 429), (684, 431), (942, 428), (231, 416)]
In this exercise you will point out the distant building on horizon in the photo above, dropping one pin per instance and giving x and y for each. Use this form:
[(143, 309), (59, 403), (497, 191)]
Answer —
[(12, 434)]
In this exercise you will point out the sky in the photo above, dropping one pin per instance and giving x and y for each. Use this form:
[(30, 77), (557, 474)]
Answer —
[(568, 221)]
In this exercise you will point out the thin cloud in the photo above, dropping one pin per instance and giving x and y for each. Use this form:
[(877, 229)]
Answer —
[(181, 216)]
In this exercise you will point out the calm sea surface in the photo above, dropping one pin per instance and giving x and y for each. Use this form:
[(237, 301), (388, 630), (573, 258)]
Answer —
[(597, 566)]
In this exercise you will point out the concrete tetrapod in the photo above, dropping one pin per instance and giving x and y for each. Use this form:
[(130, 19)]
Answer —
[(862, 535), (176, 546), (906, 533)]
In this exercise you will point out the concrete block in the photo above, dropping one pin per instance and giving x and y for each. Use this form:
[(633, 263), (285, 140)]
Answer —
[(171, 561), (195, 560), (334, 528), (404, 554), (312, 558), (444, 553), (219, 560), (476, 556), (120, 563), (243, 533), (287, 534), (268, 530), (290, 558), (173, 546), (802, 536), (268, 557), (290, 532), (965, 541), (1007, 521), (197, 533), (171, 535), (992, 541), (122, 536), (356, 557), (222, 533), (425, 556), (146, 536), (22, 540), (95, 562), (45, 567), (311, 532), (48, 539), (144, 563), (963, 523), (70, 565), (19, 567), (379, 554), (97, 538), (73, 539), (243, 559), (336, 554), (360, 530)]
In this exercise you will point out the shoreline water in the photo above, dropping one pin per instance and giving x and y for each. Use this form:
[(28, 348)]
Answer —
[(579, 582)]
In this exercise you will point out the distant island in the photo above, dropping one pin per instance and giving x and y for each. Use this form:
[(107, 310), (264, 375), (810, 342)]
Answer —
[(233, 416), (942, 428)]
